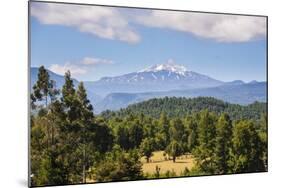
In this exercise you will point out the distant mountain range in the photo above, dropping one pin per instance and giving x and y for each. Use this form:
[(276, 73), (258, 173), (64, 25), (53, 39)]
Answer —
[(162, 77), (246, 93), (160, 81)]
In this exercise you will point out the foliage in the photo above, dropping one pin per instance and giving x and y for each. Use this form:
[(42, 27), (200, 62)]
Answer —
[(181, 106), (223, 144), (69, 144), (146, 148), (206, 139), (44, 88), (119, 166), (246, 153), (174, 149)]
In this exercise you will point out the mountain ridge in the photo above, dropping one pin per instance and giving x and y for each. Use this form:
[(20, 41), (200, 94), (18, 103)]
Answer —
[(106, 95), (160, 77), (243, 94)]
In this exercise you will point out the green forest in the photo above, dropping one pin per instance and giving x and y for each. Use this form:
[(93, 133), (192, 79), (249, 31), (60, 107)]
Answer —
[(70, 144)]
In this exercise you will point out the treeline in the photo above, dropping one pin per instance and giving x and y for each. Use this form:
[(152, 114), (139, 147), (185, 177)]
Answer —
[(219, 144), (180, 106), (69, 144)]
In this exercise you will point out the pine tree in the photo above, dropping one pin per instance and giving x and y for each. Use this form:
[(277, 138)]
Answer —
[(86, 120), (174, 149), (146, 148), (87, 108), (247, 151), (192, 128), (119, 166), (70, 99), (122, 137), (135, 134), (47, 148), (177, 130), (223, 144), (206, 140), (44, 87), (165, 126)]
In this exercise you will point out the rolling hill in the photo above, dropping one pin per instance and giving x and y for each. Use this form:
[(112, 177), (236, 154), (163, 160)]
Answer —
[(181, 106), (233, 93)]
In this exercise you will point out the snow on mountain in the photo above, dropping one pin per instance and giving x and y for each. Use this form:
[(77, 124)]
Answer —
[(160, 77), (160, 81), (157, 73), (170, 67)]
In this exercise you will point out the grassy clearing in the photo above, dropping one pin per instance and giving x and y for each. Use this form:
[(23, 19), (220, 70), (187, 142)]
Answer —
[(159, 160)]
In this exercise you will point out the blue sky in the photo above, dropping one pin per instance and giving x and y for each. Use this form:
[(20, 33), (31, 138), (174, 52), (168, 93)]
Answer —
[(101, 41)]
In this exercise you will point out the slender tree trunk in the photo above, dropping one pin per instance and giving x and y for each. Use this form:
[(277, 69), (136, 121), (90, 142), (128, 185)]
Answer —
[(52, 136), (147, 159), (84, 173), (46, 102), (84, 156), (174, 158), (48, 135)]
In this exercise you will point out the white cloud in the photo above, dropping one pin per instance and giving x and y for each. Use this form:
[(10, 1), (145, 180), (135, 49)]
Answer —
[(117, 23), (103, 22), (95, 61), (74, 69), (222, 28), (80, 67)]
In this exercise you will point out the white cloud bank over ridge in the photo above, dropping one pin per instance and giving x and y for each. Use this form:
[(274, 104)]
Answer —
[(79, 68), (115, 23)]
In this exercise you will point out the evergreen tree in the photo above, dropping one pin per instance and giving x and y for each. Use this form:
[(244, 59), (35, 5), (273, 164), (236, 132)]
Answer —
[(174, 149), (70, 99), (223, 144), (103, 137), (135, 134), (165, 126), (119, 166), (204, 153), (192, 127), (177, 130), (122, 137), (86, 120), (86, 107), (246, 154), (47, 151), (44, 87), (53, 91), (146, 148)]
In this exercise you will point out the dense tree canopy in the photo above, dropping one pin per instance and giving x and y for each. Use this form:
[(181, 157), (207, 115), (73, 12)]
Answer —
[(70, 144), (180, 107)]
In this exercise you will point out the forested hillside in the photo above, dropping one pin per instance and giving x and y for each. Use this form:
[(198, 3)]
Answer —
[(70, 144), (180, 107)]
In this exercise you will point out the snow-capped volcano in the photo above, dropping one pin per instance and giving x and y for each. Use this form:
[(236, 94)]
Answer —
[(170, 67), (160, 77)]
